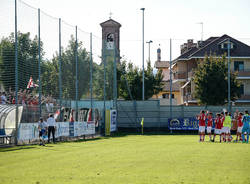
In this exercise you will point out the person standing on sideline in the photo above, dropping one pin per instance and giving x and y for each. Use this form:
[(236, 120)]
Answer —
[(51, 127), (42, 127)]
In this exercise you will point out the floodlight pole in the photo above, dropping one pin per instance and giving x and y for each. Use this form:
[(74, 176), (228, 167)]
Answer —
[(228, 76), (143, 9)]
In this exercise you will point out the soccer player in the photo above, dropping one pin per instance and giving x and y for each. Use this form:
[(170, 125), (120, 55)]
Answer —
[(239, 126), (218, 126), (209, 124), (202, 124), (246, 126), (227, 127)]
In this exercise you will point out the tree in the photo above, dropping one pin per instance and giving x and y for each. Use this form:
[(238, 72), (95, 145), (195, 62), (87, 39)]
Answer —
[(50, 72), (211, 82), (27, 60), (131, 80)]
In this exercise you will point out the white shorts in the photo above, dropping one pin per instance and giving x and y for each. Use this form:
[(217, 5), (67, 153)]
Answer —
[(239, 129), (217, 131), (209, 129), (226, 130), (201, 128)]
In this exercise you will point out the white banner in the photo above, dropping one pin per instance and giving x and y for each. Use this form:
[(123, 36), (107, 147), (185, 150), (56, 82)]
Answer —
[(29, 131), (62, 129), (113, 122)]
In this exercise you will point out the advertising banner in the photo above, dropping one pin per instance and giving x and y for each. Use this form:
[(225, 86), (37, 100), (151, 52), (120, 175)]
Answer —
[(113, 122), (28, 131), (107, 122), (62, 129), (183, 124)]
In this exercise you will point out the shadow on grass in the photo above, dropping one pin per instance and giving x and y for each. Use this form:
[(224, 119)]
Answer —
[(16, 148)]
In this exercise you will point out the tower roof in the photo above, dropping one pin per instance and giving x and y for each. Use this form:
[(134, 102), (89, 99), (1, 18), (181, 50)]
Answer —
[(110, 22)]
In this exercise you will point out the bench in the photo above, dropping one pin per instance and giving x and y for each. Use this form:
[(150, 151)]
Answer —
[(4, 139)]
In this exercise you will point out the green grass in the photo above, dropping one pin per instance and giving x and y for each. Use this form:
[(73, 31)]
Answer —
[(133, 159)]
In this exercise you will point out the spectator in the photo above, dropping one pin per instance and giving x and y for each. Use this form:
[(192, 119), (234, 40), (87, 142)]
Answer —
[(51, 127), (3, 98)]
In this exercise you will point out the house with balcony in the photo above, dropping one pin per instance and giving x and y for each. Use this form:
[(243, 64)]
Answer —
[(164, 95), (193, 53)]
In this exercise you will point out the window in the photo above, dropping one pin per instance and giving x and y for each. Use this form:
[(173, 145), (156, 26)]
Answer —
[(224, 45), (165, 95), (242, 89), (239, 66)]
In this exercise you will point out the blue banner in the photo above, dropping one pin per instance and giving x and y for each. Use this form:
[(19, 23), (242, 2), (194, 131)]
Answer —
[(71, 129), (183, 124)]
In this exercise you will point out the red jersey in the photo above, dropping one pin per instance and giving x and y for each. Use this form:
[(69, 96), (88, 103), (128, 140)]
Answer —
[(218, 123), (202, 120), (222, 120), (210, 121), (239, 120)]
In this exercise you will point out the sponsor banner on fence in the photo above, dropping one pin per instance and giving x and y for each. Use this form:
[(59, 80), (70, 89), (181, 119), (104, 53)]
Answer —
[(62, 129), (107, 122), (29, 131), (113, 124), (183, 124)]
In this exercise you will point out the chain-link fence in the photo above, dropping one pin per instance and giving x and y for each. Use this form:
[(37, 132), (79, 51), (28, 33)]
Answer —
[(48, 65)]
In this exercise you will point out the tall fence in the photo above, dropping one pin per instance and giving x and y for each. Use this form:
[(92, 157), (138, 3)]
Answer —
[(46, 61), (157, 117)]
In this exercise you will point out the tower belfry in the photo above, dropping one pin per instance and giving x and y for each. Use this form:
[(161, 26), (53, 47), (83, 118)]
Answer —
[(111, 36)]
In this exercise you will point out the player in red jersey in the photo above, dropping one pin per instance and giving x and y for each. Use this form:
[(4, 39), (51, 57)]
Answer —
[(202, 125), (218, 126), (239, 126), (209, 124)]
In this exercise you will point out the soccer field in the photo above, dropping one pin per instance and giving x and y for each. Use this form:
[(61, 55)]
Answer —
[(132, 159)]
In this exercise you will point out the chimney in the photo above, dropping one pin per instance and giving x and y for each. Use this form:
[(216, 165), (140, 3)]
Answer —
[(187, 46), (200, 44)]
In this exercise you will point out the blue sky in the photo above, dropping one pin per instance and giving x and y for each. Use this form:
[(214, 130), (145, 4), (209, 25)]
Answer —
[(164, 19)]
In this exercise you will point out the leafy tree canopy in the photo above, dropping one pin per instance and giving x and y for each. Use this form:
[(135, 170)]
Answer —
[(211, 81)]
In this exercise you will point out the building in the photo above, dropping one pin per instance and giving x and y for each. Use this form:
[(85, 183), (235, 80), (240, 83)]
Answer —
[(164, 95), (192, 53)]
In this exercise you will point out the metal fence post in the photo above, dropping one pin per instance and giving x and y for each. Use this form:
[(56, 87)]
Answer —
[(60, 69), (76, 59), (16, 73), (91, 77), (115, 79), (104, 82), (39, 66), (171, 104)]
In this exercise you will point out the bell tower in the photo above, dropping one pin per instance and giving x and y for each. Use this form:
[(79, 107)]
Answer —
[(111, 36)]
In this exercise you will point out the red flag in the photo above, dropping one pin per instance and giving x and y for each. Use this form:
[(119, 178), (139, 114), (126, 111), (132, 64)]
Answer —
[(56, 114), (89, 115), (31, 84)]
